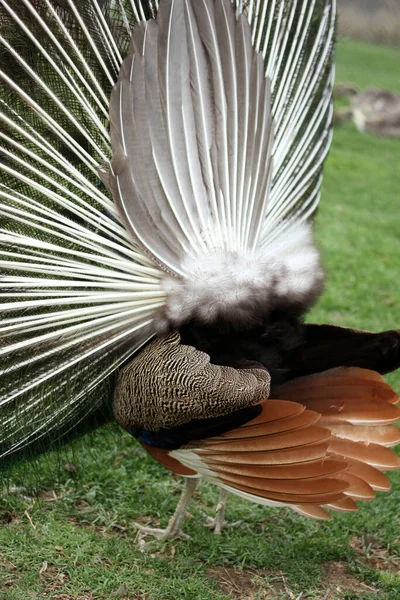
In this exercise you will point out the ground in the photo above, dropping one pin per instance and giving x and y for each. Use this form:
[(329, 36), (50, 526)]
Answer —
[(74, 540)]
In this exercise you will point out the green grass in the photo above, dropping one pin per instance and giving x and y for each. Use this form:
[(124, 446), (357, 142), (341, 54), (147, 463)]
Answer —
[(368, 65), (76, 540)]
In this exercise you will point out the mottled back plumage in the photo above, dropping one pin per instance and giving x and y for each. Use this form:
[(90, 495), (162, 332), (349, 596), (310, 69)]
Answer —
[(170, 384)]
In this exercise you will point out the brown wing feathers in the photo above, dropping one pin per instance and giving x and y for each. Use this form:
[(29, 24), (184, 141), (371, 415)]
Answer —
[(358, 407), (309, 459)]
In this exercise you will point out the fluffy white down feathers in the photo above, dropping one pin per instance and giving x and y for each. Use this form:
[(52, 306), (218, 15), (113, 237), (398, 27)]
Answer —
[(245, 285)]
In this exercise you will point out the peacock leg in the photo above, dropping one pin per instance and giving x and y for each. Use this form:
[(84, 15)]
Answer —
[(174, 525), (218, 523)]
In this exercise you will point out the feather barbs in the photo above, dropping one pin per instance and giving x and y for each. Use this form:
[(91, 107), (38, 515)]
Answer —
[(197, 168)]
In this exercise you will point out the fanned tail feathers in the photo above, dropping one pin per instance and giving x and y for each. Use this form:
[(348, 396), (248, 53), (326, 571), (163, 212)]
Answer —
[(77, 295), (82, 274), (218, 148)]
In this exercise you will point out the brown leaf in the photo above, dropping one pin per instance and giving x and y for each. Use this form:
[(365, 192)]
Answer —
[(71, 468)]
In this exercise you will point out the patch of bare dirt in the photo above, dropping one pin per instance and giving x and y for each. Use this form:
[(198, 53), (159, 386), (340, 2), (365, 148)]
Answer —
[(54, 581), (8, 518), (240, 585), (8, 574), (338, 581), (375, 555)]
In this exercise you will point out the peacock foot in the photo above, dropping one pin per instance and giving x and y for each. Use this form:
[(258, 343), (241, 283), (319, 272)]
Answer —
[(173, 529), (158, 534), (217, 525)]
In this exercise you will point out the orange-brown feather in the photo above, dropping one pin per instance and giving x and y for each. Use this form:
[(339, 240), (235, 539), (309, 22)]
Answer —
[(323, 497), (303, 419), (372, 454), (321, 442), (344, 505), (273, 457), (307, 470), (375, 478), (162, 456), (260, 442)]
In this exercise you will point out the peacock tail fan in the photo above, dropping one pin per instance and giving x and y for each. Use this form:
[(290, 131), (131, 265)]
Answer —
[(75, 289), (83, 270)]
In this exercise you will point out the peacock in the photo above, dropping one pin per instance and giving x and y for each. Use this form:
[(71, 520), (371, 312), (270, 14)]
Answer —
[(161, 162)]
